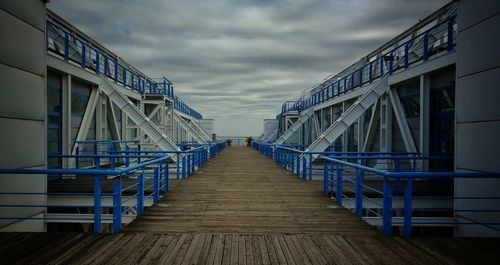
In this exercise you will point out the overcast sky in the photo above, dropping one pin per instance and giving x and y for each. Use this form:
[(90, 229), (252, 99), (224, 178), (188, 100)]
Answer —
[(236, 61)]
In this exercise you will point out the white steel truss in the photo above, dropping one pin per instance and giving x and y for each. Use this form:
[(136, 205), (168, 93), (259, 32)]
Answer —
[(304, 116)]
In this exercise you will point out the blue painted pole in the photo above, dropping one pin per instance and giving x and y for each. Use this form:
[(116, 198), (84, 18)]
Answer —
[(83, 61), (304, 167), (156, 185), (370, 73), (407, 55), (310, 167), (166, 176), (66, 46), (426, 46), (140, 193), (359, 194), (387, 209), (408, 207), (97, 205), (184, 167), (177, 164), (450, 34), (116, 72), (117, 206), (97, 63)]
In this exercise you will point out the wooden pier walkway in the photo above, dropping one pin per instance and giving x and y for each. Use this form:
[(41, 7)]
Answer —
[(242, 208)]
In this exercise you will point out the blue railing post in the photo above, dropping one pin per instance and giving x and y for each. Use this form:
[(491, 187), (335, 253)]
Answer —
[(66, 46), (381, 66), (82, 58), (426, 46), (391, 62), (310, 167), (166, 177), (338, 193), (370, 73), (387, 209), (124, 77), (117, 206), (359, 194), (408, 207), (177, 164), (140, 193), (97, 62), (297, 162), (97, 205), (361, 76), (116, 72), (304, 167), (184, 167), (407, 55), (156, 185), (450, 34)]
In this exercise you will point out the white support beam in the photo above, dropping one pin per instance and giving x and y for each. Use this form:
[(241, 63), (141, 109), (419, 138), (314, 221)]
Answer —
[(402, 122), (87, 117), (370, 133)]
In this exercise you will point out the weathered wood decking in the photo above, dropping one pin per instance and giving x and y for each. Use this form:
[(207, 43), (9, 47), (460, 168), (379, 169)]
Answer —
[(242, 208)]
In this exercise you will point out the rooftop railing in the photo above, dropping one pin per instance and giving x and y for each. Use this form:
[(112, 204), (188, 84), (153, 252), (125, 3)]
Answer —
[(409, 50), (75, 49)]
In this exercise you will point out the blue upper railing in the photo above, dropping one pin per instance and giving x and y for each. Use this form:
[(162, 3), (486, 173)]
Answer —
[(76, 49), (418, 48)]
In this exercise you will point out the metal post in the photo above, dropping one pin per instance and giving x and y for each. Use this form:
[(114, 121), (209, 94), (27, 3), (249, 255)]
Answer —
[(310, 166), (117, 206), (370, 74), (407, 51), (97, 205), (304, 167), (166, 176), (450, 34), (387, 209), (116, 72), (156, 185), (83, 60), (426, 46), (177, 166), (184, 167), (359, 194), (66, 46), (408, 207), (97, 64), (140, 193)]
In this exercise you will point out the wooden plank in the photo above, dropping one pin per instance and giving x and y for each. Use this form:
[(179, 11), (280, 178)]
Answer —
[(250, 259)]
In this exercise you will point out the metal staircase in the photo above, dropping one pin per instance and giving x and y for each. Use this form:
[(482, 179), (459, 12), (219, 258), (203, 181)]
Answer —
[(328, 137), (137, 116), (304, 116), (380, 86), (196, 136), (204, 135)]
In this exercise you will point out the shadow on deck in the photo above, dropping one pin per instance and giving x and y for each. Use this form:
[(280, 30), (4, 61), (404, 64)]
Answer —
[(242, 208)]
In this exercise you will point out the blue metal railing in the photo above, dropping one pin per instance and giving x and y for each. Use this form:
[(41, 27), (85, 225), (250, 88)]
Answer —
[(150, 169), (295, 159), (393, 180), (74, 48), (386, 63)]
